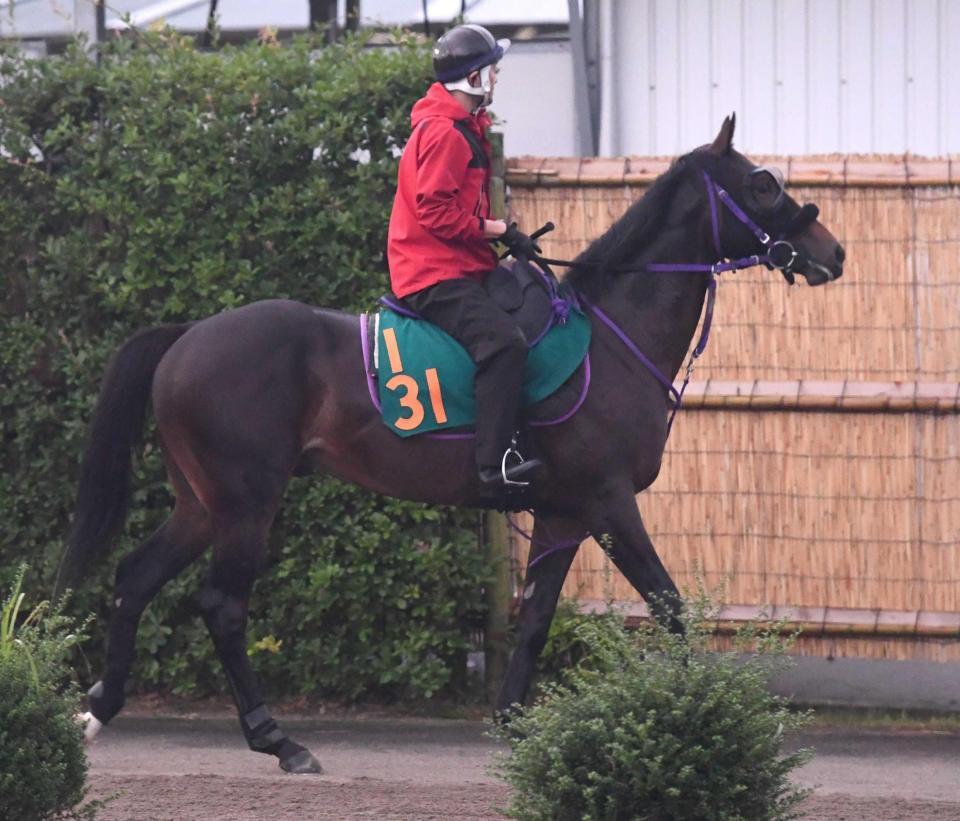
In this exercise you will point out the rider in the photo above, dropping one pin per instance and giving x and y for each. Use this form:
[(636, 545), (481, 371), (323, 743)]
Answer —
[(438, 244)]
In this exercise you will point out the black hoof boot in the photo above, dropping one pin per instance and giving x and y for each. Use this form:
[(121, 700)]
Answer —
[(264, 736), (504, 719), (301, 763), (104, 705)]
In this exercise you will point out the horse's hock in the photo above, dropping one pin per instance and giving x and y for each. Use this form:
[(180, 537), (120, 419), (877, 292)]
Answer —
[(816, 463)]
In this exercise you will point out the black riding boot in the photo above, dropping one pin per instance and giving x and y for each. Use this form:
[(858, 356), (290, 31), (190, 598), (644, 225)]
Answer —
[(498, 348), (498, 384)]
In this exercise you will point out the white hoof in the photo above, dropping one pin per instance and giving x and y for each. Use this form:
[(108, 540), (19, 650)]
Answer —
[(91, 726)]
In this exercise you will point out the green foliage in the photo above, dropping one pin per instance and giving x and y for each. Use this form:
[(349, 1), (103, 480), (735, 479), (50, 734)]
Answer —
[(567, 642), (43, 765), (167, 184), (652, 727)]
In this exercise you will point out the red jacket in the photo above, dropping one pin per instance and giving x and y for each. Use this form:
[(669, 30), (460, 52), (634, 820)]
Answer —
[(436, 226)]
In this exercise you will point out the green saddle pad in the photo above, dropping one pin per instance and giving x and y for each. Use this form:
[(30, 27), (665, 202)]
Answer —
[(426, 377)]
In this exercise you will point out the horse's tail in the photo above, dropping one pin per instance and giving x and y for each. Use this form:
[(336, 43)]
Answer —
[(116, 428)]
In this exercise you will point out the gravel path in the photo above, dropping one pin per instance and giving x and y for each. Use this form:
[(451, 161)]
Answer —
[(169, 769)]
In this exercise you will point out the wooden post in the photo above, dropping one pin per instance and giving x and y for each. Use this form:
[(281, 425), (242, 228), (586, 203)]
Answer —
[(498, 173), (496, 532), (323, 13), (353, 15), (499, 595), (88, 19)]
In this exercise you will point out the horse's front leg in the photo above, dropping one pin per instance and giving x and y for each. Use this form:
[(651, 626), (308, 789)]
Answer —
[(633, 553), (555, 542)]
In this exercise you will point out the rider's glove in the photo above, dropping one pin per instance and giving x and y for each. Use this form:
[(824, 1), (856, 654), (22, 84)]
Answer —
[(518, 243)]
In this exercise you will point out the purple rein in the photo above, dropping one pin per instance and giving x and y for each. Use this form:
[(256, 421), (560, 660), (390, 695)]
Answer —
[(715, 193)]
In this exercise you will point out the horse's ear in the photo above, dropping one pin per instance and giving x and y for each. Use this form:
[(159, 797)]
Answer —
[(724, 140)]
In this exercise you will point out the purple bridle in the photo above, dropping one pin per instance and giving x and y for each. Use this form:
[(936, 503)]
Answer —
[(772, 258), (716, 194)]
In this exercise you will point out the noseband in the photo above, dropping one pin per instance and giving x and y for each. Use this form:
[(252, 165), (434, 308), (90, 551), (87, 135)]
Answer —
[(780, 253)]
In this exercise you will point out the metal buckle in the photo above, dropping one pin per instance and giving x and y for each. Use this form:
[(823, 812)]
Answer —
[(793, 255)]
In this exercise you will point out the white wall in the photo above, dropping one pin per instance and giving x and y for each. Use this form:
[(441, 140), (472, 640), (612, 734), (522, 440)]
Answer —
[(534, 98), (804, 76)]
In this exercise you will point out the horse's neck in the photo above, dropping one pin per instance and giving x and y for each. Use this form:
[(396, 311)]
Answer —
[(660, 311)]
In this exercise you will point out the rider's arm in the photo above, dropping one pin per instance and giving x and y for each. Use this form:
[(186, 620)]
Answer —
[(443, 158)]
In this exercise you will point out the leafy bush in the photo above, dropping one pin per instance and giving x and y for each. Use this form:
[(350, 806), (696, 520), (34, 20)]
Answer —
[(567, 642), (652, 727), (43, 765), (167, 184)]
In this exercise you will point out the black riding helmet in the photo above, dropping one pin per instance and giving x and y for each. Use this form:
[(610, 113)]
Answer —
[(465, 49)]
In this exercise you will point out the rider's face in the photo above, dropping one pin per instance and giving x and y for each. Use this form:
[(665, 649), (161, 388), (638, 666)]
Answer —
[(488, 97)]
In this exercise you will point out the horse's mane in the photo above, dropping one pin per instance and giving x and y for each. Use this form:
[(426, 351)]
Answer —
[(637, 227)]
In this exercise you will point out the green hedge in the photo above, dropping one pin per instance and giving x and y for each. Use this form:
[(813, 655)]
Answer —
[(43, 764), (168, 184)]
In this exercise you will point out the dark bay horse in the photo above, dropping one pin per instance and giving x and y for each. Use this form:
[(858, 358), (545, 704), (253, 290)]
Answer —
[(244, 399)]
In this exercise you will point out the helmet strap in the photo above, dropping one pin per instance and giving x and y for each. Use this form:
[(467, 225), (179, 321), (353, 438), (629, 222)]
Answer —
[(483, 91)]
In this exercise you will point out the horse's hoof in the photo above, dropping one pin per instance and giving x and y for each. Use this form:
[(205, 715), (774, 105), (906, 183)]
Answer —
[(302, 763), (91, 726), (504, 719)]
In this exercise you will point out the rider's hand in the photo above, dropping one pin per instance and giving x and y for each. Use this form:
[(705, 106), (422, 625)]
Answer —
[(518, 243)]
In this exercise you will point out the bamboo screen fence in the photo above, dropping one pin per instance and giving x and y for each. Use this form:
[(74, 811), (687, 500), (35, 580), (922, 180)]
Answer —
[(816, 473)]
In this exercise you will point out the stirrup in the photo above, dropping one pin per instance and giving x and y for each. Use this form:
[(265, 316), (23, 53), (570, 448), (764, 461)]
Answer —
[(511, 451)]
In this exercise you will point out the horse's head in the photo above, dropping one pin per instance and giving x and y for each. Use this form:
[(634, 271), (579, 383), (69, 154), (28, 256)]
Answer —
[(798, 242)]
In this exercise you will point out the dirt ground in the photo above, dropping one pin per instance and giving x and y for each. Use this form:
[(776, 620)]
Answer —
[(163, 768)]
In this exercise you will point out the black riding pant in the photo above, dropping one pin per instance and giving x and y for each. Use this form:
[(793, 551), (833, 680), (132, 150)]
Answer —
[(463, 309)]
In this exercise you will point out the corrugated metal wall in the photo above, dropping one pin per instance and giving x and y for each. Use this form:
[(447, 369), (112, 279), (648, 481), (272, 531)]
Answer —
[(534, 99), (804, 76)]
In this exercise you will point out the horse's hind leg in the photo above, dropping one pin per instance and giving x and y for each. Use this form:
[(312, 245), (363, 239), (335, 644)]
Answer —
[(554, 545), (140, 576), (239, 545)]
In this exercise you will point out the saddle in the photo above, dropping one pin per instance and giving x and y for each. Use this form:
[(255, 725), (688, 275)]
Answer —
[(532, 296), (529, 294), (422, 379)]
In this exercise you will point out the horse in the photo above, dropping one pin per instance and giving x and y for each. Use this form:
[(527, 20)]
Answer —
[(245, 399)]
